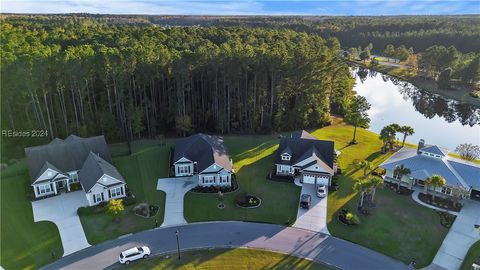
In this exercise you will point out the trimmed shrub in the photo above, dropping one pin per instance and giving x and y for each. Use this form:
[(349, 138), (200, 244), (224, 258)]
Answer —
[(129, 201), (352, 218), (75, 186)]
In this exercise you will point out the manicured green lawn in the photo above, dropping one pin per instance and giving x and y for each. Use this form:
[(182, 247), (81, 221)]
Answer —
[(231, 259), (24, 244), (472, 255), (141, 170), (399, 227), (253, 158)]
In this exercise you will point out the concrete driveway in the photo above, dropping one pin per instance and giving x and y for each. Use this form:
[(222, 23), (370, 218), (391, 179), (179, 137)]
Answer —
[(62, 210), (175, 188), (315, 218), (461, 236)]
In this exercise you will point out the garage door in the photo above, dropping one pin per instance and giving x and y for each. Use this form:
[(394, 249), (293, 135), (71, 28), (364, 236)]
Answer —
[(322, 180), (308, 178)]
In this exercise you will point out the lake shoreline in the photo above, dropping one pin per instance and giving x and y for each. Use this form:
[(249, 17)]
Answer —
[(460, 94)]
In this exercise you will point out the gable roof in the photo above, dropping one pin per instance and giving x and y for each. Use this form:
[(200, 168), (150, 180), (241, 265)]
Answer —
[(454, 171), (434, 150), (204, 149), (93, 169), (45, 167), (302, 134), (65, 155), (303, 145)]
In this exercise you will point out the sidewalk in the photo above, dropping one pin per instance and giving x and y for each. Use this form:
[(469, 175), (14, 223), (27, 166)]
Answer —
[(415, 194)]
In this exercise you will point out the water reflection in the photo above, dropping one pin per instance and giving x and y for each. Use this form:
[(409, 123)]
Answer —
[(432, 115), (427, 103)]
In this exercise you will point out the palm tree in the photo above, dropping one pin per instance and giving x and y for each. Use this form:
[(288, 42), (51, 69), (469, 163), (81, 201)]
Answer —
[(375, 182), (406, 131), (362, 186), (434, 181), (365, 165), (387, 135), (400, 171)]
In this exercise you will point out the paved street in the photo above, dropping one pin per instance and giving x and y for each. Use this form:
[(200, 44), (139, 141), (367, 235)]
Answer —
[(315, 218), (62, 210), (461, 236), (298, 242), (175, 188)]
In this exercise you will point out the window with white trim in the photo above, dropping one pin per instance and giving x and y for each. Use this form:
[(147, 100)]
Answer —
[(184, 169), (284, 169), (115, 192), (209, 179), (73, 178), (285, 157), (224, 179), (97, 197), (43, 189), (446, 190)]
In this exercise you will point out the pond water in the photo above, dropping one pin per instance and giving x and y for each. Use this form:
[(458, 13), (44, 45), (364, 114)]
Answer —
[(438, 120)]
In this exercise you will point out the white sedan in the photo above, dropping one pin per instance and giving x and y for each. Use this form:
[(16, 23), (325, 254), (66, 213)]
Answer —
[(133, 254), (321, 191)]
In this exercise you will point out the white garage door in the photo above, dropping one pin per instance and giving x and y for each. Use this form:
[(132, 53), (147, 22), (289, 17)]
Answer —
[(315, 179), (322, 180), (308, 178)]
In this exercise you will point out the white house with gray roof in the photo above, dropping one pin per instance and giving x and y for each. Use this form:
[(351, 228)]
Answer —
[(306, 156), (54, 167), (428, 160), (203, 155)]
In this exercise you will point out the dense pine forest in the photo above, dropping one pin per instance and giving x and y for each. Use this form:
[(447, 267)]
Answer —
[(129, 81)]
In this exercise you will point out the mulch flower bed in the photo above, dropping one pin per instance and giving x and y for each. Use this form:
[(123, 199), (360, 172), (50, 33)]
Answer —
[(440, 202), (248, 201), (216, 189), (402, 191)]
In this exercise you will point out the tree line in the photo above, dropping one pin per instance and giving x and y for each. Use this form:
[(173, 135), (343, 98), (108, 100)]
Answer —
[(90, 77)]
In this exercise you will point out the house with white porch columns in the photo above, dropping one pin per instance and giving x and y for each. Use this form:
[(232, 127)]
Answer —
[(204, 156), (303, 155), (56, 166)]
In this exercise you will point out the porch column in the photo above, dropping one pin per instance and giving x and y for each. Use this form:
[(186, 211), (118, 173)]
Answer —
[(55, 187), (68, 184)]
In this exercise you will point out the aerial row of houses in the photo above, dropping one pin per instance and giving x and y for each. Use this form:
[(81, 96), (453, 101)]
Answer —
[(56, 166)]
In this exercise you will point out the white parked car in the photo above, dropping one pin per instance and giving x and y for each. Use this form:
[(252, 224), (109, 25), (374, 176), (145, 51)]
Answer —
[(321, 191), (133, 254)]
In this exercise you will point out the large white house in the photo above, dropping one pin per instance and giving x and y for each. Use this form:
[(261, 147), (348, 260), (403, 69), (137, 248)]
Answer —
[(54, 167), (428, 160), (203, 155), (306, 156)]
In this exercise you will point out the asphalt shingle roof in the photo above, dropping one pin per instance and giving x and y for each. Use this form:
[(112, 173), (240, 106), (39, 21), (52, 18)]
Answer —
[(204, 149), (93, 169), (65, 155), (303, 145)]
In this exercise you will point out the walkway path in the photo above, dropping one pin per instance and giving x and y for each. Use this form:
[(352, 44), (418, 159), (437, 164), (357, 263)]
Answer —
[(62, 210), (301, 243), (315, 218), (461, 236), (415, 194), (175, 189)]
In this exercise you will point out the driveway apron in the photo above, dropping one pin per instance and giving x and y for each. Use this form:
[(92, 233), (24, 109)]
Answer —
[(62, 210), (175, 189), (315, 218), (461, 236)]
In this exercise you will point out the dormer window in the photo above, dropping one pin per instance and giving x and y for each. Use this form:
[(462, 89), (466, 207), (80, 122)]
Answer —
[(285, 156)]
